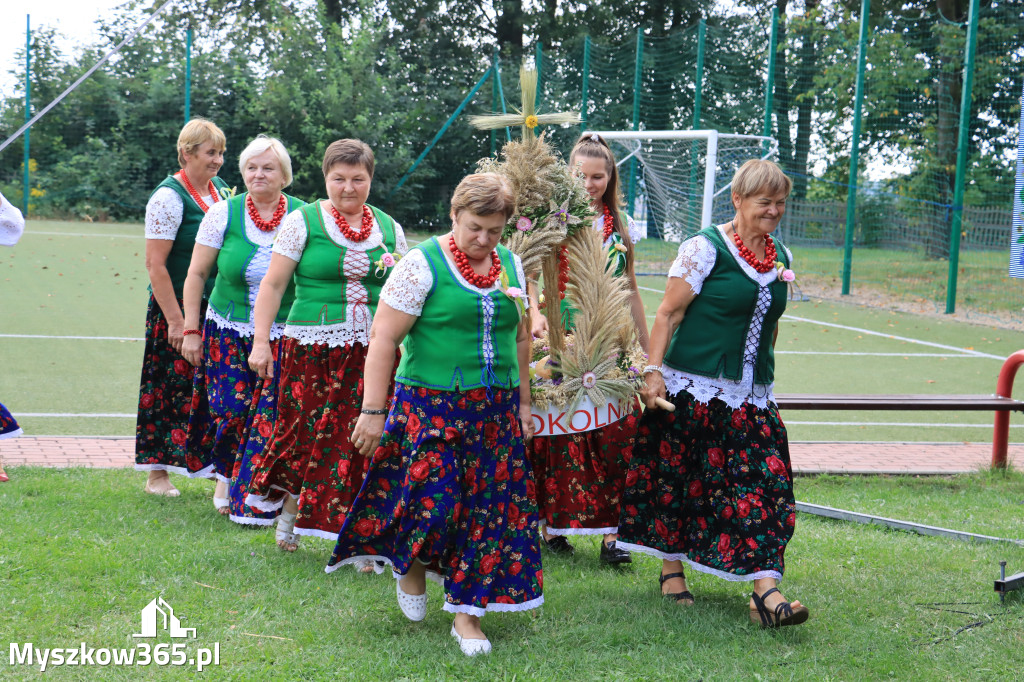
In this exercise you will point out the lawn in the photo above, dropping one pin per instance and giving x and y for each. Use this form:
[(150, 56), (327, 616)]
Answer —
[(85, 550)]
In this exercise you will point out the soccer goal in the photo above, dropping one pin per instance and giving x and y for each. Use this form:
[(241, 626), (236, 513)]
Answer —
[(679, 180)]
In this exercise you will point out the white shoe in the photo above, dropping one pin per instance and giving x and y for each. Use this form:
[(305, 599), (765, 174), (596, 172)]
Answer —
[(472, 647), (414, 606)]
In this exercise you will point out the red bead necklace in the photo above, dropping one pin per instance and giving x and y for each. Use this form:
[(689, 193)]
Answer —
[(609, 222), (479, 281), (365, 230), (260, 223), (194, 194), (769, 252), (563, 270)]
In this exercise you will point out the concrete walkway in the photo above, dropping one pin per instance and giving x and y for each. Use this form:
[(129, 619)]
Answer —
[(808, 457)]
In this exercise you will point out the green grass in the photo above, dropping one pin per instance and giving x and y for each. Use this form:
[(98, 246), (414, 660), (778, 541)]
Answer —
[(85, 550), (57, 282)]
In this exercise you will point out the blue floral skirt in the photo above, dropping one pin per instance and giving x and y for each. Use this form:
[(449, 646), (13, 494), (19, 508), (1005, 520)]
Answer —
[(450, 486), (230, 405), (8, 425)]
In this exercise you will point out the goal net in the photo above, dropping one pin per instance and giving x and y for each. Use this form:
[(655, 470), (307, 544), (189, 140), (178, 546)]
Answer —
[(678, 181)]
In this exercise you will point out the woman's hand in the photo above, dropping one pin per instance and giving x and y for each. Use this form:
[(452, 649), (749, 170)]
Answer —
[(366, 435), (538, 324), (653, 388), (261, 360), (526, 417), (192, 349), (176, 334)]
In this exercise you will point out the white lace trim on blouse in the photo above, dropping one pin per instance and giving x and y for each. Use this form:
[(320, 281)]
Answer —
[(292, 236), (410, 282), (164, 212), (636, 233), (245, 329), (693, 263)]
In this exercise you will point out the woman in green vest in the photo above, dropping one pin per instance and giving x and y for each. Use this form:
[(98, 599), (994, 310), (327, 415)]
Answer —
[(710, 483), (580, 475), (173, 214), (450, 493), (338, 252), (230, 403)]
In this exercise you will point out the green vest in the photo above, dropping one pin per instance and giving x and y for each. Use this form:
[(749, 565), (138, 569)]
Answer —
[(445, 349), (711, 338), (230, 296), (320, 274), (180, 256), (616, 261)]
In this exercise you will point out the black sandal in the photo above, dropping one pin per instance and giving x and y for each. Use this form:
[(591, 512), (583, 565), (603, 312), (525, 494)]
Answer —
[(784, 613), (678, 596)]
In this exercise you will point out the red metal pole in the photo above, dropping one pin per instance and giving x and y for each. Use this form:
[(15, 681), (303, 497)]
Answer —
[(1004, 388)]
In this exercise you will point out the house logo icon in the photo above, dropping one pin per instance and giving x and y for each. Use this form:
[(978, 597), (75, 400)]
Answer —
[(158, 611)]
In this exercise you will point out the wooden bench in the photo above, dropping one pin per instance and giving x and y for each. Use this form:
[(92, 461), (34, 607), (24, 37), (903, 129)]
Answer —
[(1000, 403)]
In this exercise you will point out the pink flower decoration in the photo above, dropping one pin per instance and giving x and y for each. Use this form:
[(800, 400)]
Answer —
[(589, 380), (524, 224), (387, 260), (788, 275), (514, 292)]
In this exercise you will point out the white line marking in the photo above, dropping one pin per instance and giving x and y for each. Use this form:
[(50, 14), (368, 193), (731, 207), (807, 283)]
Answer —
[(962, 351), (894, 337), (84, 338), (87, 234), (893, 355), (89, 415), (928, 424)]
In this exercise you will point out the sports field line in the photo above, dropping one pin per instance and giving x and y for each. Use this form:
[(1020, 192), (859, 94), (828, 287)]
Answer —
[(88, 415), (83, 338), (85, 234), (860, 330)]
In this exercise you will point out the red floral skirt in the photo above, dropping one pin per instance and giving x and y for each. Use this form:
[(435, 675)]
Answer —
[(309, 454), (165, 399), (580, 476)]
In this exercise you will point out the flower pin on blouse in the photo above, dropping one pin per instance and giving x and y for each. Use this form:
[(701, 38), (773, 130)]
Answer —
[(784, 273), (517, 295), (386, 261)]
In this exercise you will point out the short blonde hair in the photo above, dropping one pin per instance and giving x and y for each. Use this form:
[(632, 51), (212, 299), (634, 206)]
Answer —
[(483, 194), (350, 152), (195, 134), (757, 176), (261, 144)]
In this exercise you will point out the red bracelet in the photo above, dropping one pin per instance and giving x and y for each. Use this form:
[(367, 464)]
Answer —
[(191, 331)]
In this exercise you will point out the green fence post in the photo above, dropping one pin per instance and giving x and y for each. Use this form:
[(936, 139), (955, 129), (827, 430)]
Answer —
[(538, 59), (585, 89), (188, 74), (637, 82), (769, 85), (851, 193), (494, 102), (698, 82), (963, 139), (25, 191)]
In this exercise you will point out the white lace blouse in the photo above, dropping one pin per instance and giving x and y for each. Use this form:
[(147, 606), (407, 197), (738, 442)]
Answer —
[(211, 233), (164, 212), (636, 232), (409, 284), (291, 241), (693, 263)]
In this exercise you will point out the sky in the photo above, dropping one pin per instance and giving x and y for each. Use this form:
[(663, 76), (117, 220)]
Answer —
[(74, 18)]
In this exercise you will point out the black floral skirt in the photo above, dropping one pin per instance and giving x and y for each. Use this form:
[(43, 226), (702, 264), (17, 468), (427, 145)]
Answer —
[(712, 486)]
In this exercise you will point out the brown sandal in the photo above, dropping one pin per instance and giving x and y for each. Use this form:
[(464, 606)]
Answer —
[(784, 613)]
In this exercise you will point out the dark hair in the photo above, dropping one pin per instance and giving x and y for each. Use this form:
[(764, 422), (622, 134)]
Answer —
[(350, 152)]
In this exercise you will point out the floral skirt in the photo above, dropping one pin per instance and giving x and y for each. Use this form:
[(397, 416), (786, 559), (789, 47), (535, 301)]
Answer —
[(580, 476), (450, 486), (711, 486), (165, 396), (223, 429), (8, 425), (309, 455)]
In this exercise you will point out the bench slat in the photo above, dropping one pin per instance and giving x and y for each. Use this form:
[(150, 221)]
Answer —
[(984, 403)]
